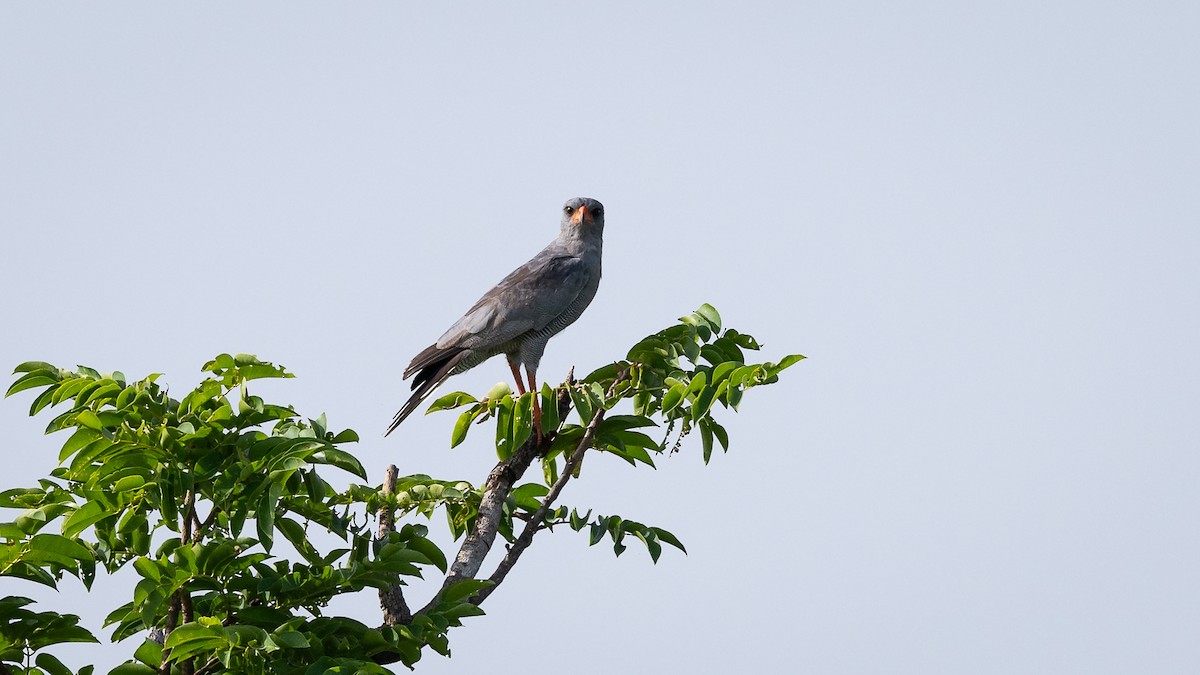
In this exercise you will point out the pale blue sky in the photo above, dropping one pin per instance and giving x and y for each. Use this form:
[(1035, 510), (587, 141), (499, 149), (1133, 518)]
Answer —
[(979, 222)]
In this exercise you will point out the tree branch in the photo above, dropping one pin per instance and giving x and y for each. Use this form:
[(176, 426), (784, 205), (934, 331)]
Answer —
[(177, 598), (212, 517), (536, 522), (172, 621), (391, 599), (479, 541), (188, 666), (499, 484)]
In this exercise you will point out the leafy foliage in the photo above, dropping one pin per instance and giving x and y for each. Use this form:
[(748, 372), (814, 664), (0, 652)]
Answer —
[(215, 499), (675, 375)]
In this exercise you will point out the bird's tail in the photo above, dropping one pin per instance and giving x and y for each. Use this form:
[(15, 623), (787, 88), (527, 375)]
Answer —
[(427, 379)]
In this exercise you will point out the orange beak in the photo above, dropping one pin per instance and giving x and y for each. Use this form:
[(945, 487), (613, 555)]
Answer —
[(580, 215)]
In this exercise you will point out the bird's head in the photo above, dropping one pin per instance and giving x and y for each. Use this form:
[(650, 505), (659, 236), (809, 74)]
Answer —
[(583, 216)]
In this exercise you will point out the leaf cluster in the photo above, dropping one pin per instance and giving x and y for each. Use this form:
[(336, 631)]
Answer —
[(673, 379), (193, 492), (216, 500)]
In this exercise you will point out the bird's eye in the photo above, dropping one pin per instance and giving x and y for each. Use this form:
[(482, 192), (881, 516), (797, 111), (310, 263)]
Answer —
[(568, 210)]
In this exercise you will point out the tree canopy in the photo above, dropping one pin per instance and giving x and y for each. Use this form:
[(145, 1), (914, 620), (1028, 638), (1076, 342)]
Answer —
[(217, 498)]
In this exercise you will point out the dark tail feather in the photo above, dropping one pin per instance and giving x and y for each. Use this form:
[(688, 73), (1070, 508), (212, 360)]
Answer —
[(427, 379)]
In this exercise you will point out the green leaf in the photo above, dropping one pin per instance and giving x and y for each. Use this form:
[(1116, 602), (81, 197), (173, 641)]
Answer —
[(504, 425), (451, 401), (88, 419), (30, 366), (290, 639), (129, 483), (651, 541), (699, 381), (787, 362), (463, 425), (672, 398), (52, 665), (106, 391), (87, 515), (742, 339), (703, 402), (69, 388), (710, 313), (149, 653), (626, 422), (462, 590), (193, 639), (43, 399), (35, 519), (596, 393), (706, 438), (577, 521), (429, 550), (294, 532), (346, 436), (522, 420), (29, 381), (56, 549), (77, 441), (17, 498), (669, 538), (722, 371), (583, 404), (526, 496), (90, 372), (341, 459), (549, 403), (264, 515), (132, 669)]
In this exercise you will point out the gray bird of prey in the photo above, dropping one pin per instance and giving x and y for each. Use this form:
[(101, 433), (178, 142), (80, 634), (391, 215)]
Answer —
[(520, 315)]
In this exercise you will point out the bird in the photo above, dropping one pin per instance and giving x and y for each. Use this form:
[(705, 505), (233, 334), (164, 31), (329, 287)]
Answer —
[(520, 314)]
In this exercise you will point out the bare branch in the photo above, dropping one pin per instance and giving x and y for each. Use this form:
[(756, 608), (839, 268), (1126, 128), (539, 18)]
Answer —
[(177, 598), (536, 522), (212, 517), (496, 488), (188, 666), (172, 622), (499, 483), (391, 599)]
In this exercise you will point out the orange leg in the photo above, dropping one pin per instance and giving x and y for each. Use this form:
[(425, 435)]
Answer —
[(537, 407), (516, 371)]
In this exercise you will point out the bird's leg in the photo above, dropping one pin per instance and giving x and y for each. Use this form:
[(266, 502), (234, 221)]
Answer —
[(537, 408), (516, 371)]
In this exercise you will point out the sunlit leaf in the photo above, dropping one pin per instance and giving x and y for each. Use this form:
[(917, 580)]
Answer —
[(450, 401)]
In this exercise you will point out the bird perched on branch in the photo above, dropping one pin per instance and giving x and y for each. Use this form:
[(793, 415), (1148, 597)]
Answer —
[(520, 315)]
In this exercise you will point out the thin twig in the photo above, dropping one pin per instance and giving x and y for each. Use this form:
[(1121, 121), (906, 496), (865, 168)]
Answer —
[(210, 667)]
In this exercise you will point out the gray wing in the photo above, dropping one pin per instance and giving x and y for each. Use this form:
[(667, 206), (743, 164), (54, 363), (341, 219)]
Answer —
[(528, 299)]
